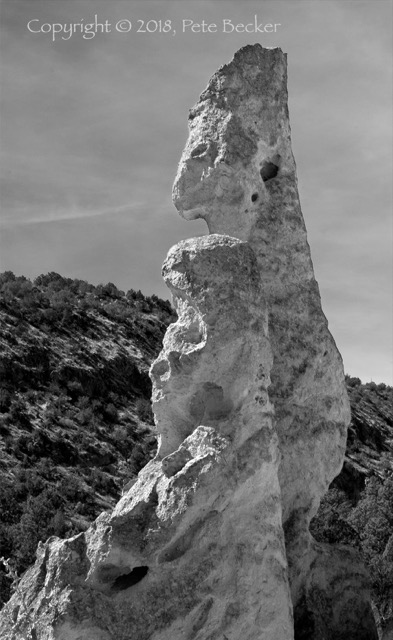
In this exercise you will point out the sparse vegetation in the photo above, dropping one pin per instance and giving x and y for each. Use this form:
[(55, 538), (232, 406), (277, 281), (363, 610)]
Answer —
[(75, 413), (358, 509)]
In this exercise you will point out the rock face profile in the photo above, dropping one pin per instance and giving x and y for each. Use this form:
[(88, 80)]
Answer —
[(212, 541), (238, 173)]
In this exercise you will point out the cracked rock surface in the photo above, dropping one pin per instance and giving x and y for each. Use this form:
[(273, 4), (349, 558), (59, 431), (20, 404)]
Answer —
[(195, 549), (238, 173)]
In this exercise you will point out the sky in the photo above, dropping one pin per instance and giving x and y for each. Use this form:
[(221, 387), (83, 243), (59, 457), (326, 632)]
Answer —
[(92, 129)]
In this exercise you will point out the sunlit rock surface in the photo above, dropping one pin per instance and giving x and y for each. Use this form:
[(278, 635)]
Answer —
[(195, 549), (238, 173)]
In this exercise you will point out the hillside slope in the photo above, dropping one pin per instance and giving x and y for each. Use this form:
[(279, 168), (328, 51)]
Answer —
[(358, 509), (75, 415)]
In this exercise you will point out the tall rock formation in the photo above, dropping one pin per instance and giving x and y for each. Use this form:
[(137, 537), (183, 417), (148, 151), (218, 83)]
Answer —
[(195, 549), (211, 542), (238, 173)]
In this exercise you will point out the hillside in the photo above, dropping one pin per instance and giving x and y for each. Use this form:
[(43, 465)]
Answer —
[(358, 509), (76, 424), (75, 415)]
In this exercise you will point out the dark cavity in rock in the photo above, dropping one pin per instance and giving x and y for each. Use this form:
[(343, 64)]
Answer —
[(129, 579)]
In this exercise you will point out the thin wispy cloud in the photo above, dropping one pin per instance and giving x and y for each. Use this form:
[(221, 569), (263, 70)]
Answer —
[(67, 214)]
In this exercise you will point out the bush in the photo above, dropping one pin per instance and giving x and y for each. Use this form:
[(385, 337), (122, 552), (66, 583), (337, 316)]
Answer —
[(144, 410), (138, 459), (111, 413), (5, 400), (353, 382)]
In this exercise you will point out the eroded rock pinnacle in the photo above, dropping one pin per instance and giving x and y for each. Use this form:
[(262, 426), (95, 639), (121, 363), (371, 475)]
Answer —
[(212, 540)]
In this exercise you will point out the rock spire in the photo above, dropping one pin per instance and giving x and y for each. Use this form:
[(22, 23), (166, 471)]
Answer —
[(238, 173)]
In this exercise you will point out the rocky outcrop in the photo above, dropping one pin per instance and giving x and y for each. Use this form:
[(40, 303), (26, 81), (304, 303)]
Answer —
[(238, 173), (195, 549), (212, 542)]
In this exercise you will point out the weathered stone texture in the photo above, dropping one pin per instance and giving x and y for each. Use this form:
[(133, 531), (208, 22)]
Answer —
[(238, 173), (195, 549)]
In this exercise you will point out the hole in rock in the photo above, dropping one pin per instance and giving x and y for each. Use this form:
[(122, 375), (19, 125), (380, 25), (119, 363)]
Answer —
[(129, 579), (199, 150), (254, 197), (268, 171)]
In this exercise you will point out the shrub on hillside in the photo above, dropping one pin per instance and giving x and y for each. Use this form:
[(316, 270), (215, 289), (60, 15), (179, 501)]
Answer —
[(144, 410)]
